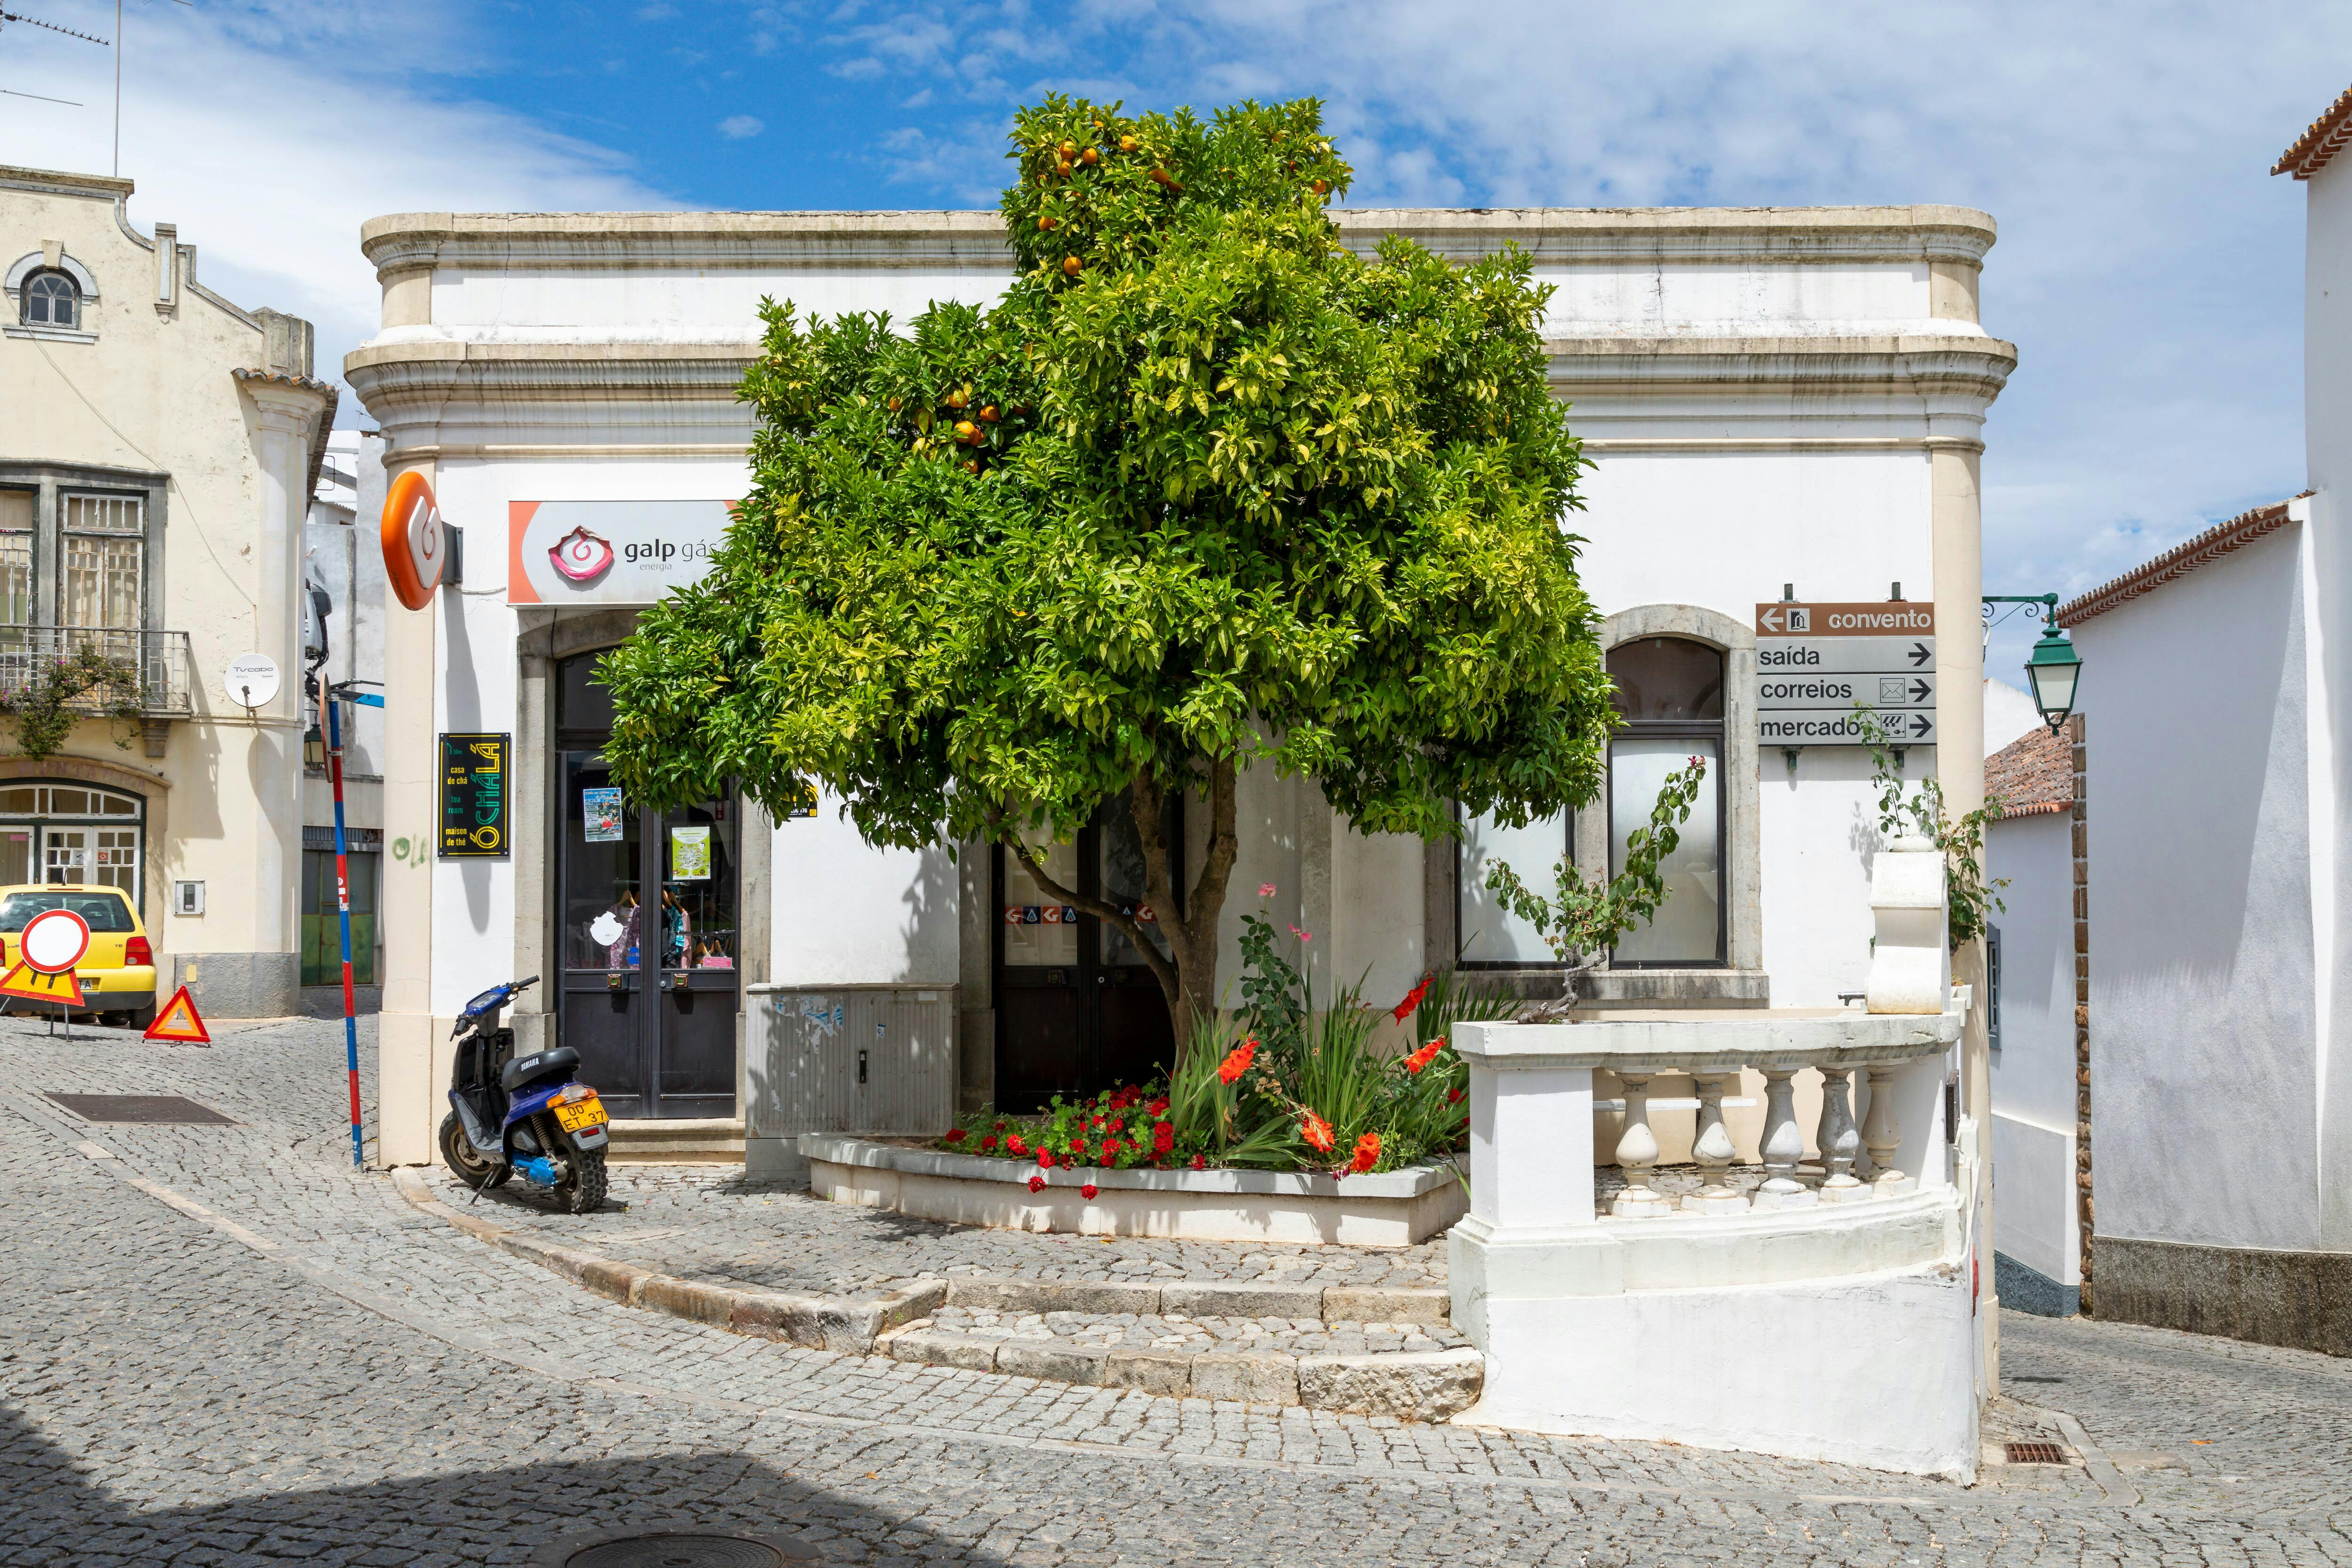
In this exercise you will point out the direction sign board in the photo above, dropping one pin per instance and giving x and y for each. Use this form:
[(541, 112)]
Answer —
[(1816, 662)]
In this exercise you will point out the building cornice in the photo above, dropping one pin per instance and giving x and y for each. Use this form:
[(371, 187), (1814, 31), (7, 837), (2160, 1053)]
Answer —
[(1969, 364), (64, 182), (2221, 539), (408, 242)]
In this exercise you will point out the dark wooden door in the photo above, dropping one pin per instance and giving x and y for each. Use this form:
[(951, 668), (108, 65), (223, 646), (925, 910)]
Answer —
[(647, 903), (1077, 1010)]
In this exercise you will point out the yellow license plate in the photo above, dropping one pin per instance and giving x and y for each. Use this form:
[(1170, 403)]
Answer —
[(588, 1113)]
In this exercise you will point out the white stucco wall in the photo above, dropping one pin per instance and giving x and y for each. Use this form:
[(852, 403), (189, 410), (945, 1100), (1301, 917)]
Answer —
[(846, 913), (2033, 1070), (2327, 436), (2203, 1061)]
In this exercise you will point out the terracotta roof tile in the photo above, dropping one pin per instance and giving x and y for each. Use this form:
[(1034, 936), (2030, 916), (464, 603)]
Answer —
[(2179, 561), (2032, 774), (2329, 136)]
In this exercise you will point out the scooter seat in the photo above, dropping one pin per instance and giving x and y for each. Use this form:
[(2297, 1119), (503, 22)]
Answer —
[(523, 1070)]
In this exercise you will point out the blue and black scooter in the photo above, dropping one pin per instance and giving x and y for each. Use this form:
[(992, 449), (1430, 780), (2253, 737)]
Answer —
[(526, 1114)]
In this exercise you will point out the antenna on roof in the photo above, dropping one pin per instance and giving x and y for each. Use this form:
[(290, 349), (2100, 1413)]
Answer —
[(12, 92), (7, 16), (118, 82)]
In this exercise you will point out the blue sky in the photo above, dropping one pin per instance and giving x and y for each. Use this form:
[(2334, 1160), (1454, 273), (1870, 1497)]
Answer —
[(2150, 269)]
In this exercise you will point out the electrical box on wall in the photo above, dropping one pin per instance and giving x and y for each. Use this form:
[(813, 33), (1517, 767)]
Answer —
[(187, 898)]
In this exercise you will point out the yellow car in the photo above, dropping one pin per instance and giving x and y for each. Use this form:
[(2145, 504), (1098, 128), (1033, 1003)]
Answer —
[(116, 975)]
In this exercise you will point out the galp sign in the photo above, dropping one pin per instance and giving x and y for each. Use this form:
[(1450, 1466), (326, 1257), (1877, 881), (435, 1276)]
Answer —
[(416, 544)]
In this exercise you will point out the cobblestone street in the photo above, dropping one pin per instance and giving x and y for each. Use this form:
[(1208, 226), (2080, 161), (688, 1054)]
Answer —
[(221, 1345)]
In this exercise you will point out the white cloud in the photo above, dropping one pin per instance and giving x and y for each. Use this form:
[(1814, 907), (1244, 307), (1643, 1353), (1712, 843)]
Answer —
[(736, 126), (270, 134), (2148, 269)]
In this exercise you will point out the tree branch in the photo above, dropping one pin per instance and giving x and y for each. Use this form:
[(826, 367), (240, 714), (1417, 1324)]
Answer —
[(1162, 970)]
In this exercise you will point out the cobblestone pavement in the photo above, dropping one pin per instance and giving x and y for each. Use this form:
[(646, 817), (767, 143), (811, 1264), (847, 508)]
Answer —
[(1176, 1332), (710, 1224), (221, 1346)]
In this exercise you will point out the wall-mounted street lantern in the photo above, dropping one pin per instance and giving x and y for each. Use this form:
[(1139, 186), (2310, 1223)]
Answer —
[(2053, 667)]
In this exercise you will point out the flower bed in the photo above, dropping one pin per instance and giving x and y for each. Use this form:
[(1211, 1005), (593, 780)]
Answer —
[(1388, 1209)]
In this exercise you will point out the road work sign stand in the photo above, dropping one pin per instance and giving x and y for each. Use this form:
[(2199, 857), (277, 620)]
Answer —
[(179, 1023), (52, 943)]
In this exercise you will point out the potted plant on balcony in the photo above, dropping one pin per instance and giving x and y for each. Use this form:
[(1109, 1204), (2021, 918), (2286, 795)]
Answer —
[(59, 691)]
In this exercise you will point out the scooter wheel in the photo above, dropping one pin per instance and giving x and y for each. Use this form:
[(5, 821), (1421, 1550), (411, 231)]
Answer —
[(582, 1188), (458, 1154)]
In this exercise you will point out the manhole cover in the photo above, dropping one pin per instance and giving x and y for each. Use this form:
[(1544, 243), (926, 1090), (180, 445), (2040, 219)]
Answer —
[(154, 1110), (2035, 1454), (689, 1547)]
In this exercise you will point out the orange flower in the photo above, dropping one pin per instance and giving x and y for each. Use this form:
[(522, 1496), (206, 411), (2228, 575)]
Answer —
[(1368, 1152), (1317, 1132), (1236, 1062), (1425, 1056)]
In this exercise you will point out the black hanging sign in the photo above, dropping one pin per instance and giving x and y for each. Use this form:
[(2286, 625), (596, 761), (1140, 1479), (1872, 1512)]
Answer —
[(474, 795)]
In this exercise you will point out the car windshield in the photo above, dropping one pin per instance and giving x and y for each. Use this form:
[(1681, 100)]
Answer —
[(103, 911)]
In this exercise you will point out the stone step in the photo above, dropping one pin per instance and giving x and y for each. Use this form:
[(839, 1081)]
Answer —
[(1413, 1371), (1203, 1299), (697, 1141)]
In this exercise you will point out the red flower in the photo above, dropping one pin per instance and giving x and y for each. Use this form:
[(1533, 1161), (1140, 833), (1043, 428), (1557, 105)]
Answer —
[(1403, 1009), (1163, 1138), (1368, 1152), (1118, 1124), (1237, 1061), (1014, 1146), (1200, 1162), (1036, 1184), (1159, 1107), (1265, 890), (1426, 1055), (1069, 1162), (988, 1140), (955, 1135), (999, 1127), (1454, 1096), (1317, 1132), (1088, 1191), (1045, 1158), (1111, 1147)]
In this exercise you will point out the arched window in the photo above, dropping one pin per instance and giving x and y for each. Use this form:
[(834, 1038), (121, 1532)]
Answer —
[(51, 301), (1670, 698), (71, 833)]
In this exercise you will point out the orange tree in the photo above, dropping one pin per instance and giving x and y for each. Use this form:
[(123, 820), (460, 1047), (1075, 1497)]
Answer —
[(1207, 489)]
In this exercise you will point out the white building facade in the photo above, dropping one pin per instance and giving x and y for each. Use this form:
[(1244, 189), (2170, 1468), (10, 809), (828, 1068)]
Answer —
[(158, 448), (1778, 402)]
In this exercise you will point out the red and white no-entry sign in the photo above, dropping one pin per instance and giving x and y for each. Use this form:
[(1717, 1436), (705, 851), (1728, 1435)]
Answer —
[(54, 941)]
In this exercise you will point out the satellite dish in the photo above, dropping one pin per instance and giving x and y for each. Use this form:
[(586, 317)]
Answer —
[(251, 679)]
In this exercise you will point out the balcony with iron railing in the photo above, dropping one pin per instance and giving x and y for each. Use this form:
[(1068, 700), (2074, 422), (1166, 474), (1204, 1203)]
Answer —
[(153, 669)]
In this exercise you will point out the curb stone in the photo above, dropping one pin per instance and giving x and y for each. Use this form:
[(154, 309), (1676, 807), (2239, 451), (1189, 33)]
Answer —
[(1417, 1386), (1206, 1298), (1412, 1386), (838, 1323)]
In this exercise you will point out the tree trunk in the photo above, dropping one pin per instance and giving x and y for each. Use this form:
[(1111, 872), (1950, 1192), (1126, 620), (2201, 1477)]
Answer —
[(1190, 983), (1187, 973)]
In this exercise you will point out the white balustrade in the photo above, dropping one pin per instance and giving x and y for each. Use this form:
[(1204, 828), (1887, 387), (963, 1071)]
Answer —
[(1713, 1151), (1837, 1139), (1637, 1152)]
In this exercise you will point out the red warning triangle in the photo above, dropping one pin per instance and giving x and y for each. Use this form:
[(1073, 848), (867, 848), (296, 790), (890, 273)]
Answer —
[(179, 1020), (22, 981)]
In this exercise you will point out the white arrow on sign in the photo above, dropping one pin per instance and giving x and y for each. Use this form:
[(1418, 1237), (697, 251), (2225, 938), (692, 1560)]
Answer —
[(1772, 620)]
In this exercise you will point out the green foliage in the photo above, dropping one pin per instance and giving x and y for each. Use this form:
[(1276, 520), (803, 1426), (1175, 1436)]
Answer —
[(1586, 916), (1206, 489), (1921, 814), (67, 688)]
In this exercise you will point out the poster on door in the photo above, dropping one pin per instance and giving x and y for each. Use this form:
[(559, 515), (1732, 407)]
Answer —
[(600, 809), (690, 854)]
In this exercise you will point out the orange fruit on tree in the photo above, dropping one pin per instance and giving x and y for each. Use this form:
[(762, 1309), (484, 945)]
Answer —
[(972, 465), (1321, 186), (965, 431), (1069, 149), (1126, 144), (987, 415), (1062, 167), (1090, 156), (1072, 266), (1047, 224)]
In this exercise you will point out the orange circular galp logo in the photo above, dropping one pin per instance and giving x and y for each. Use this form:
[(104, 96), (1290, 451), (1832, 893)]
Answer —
[(415, 548)]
